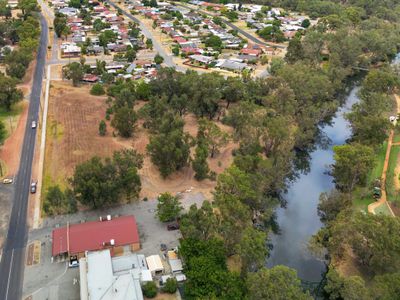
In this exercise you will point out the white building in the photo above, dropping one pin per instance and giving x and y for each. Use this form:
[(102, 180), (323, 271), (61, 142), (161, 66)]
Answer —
[(155, 264), (106, 278)]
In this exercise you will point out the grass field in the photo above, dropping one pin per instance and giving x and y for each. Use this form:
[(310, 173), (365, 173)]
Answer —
[(392, 194), (383, 210)]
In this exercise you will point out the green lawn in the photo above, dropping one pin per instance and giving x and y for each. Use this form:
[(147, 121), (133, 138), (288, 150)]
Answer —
[(392, 194), (383, 210), (396, 137), (376, 172)]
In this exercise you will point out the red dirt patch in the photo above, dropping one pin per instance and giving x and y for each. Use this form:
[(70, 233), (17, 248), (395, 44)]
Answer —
[(11, 150)]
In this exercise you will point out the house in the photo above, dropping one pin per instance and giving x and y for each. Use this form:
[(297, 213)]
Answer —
[(231, 65), (70, 50), (114, 234), (155, 265), (90, 78), (202, 59), (251, 52), (106, 278)]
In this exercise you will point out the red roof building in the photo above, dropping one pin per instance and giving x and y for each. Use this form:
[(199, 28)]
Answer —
[(111, 234), (252, 52)]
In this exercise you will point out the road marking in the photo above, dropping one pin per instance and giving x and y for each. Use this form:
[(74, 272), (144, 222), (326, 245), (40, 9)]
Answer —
[(9, 273)]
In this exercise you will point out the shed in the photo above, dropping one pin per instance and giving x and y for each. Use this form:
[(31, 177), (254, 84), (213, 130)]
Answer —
[(155, 264)]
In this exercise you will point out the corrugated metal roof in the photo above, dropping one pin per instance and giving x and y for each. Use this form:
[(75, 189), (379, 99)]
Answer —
[(90, 236)]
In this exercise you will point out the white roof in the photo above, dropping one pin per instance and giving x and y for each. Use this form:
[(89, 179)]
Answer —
[(128, 262), (104, 284), (154, 263), (99, 273), (176, 265)]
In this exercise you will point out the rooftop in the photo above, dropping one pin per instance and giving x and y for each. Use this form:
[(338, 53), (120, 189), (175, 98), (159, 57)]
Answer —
[(95, 235)]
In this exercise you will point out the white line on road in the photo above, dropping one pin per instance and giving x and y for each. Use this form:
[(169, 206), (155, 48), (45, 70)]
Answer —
[(9, 273)]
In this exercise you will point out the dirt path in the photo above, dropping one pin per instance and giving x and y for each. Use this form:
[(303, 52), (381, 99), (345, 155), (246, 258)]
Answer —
[(383, 199)]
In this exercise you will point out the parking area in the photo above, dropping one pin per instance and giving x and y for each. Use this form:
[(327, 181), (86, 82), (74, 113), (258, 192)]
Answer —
[(53, 280)]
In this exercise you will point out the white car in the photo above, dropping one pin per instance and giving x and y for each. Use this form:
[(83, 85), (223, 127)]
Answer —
[(7, 180), (33, 124)]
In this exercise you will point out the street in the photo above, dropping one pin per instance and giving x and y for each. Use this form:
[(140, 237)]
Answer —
[(12, 261)]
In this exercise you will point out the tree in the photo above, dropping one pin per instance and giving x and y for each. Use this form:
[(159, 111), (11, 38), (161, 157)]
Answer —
[(214, 42), (28, 7), (149, 44), (272, 33), (170, 286), (295, 50), (158, 59), (200, 223), (214, 137), (60, 24), (149, 289), (352, 164), (9, 94), (130, 55), (97, 183), (386, 286), (106, 37), (3, 132), (74, 72), (102, 128), (234, 90), (169, 148), (168, 207), (199, 164), (349, 288), (331, 204), (97, 89), (252, 249), (124, 121), (278, 283), (59, 202), (306, 23)]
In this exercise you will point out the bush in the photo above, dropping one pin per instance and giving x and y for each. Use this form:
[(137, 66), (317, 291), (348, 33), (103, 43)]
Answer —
[(97, 90), (170, 286), (149, 289), (102, 128)]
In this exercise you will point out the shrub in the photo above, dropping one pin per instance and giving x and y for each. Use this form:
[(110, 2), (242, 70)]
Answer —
[(97, 90), (170, 286), (102, 128), (149, 289)]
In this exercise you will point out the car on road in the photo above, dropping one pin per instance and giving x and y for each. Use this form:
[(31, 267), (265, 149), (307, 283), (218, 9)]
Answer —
[(173, 226), (33, 124), (33, 187), (8, 180)]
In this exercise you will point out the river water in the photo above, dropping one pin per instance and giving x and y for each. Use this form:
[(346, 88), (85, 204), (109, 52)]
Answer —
[(299, 220)]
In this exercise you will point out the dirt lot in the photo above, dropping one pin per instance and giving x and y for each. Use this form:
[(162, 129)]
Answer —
[(72, 137)]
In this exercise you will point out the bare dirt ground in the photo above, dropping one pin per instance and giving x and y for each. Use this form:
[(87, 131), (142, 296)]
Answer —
[(72, 138)]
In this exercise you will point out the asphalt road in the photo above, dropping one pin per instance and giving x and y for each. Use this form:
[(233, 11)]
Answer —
[(13, 258)]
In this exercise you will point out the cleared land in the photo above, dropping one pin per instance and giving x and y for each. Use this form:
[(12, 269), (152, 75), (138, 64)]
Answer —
[(72, 138)]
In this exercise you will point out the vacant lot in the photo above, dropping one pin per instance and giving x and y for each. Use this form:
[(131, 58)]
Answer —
[(72, 137)]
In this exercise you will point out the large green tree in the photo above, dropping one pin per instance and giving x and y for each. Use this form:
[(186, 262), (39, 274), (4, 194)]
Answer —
[(168, 207), (352, 164), (9, 94), (278, 283), (169, 148)]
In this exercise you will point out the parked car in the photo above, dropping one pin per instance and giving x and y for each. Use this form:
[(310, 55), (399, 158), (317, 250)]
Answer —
[(33, 187), (163, 247), (173, 226), (7, 180), (33, 124)]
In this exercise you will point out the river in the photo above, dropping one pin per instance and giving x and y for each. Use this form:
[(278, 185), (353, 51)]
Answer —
[(298, 221)]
